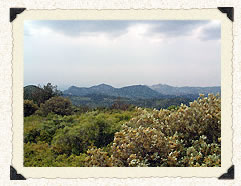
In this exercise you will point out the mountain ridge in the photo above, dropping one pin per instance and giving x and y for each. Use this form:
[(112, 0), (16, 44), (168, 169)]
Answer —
[(141, 91), (155, 96), (184, 90), (132, 91)]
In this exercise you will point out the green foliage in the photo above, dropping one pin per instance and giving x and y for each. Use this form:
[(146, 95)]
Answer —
[(133, 147), (42, 155), (189, 136), (203, 154), (29, 92), (94, 101), (69, 137), (50, 91), (57, 105), (97, 158), (70, 161), (173, 107), (183, 136), (41, 94), (32, 135), (38, 155), (37, 128), (29, 107), (93, 128)]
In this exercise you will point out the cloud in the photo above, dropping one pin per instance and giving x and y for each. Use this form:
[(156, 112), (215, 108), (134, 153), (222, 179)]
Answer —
[(176, 27), (113, 28), (211, 31), (204, 29), (120, 53), (75, 28)]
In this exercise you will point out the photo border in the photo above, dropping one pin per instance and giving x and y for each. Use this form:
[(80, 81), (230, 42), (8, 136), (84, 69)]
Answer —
[(228, 10)]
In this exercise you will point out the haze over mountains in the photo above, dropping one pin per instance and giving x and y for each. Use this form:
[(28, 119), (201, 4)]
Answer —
[(141, 91), (156, 96), (179, 91), (135, 91)]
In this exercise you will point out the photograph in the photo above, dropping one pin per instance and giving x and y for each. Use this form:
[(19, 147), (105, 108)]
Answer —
[(122, 93)]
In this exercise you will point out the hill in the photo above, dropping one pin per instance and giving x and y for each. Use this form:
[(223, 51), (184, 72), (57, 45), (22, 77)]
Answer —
[(180, 91), (132, 92), (156, 96), (29, 90)]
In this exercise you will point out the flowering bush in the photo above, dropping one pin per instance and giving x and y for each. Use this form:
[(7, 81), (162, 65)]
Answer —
[(187, 136)]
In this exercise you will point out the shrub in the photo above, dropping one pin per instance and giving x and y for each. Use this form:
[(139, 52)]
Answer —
[(38, 155), (202, 117), (97, 158), (29, 107), (66, 139), (73, 140), (189, 136), (57, 105), (173, 107), (31, 136), (93, 128), (70, 161), (139, 147), (76, 139), (42, 155)]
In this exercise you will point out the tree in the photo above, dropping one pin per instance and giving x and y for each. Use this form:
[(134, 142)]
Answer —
[(57, 105), (29, 107), (119, 104), (41, 94), (50, 91)]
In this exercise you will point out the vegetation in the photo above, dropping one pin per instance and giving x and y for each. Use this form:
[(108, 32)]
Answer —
[(60, 134), (29, 107), (40, 94), (57, 105), (93, 101), (189, 136), (70, 135)]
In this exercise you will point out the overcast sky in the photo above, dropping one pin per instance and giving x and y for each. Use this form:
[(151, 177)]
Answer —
[(122, 53)]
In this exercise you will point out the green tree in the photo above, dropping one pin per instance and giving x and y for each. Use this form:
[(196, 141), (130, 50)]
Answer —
[(57, 105), (29, 107), (38, 155), (50, 91), (41, 94)]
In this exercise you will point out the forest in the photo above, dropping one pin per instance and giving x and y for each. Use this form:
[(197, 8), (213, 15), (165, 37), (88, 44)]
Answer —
[(58, 133)]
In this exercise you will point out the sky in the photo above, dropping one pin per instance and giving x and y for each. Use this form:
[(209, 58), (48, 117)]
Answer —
[(122, 52)]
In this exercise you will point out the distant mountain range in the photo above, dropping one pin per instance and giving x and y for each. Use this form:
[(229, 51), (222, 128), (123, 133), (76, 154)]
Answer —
[(135, 91), (180, 91), (140, 91), (156, 96)]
